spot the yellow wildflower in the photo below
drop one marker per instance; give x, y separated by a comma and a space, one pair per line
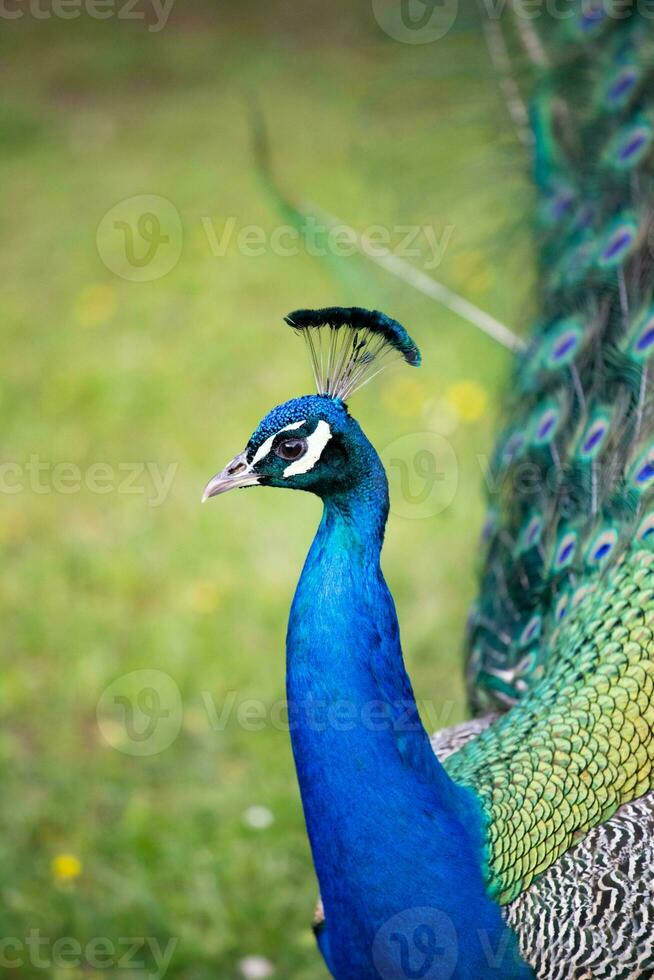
468, 399
205, 596
471, 271
66, 867
405, 396
95, 304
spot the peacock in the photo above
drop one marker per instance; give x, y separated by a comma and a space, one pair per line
518, 844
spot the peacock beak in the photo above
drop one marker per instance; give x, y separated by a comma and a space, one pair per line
238, 473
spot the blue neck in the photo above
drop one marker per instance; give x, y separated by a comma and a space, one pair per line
391, 834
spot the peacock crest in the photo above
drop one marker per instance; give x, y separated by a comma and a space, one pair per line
349, 346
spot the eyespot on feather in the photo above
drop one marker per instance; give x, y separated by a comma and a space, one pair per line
601, 547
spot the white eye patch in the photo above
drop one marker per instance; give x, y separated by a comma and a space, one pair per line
266, 446
316, 442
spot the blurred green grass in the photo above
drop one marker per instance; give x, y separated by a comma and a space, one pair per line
177, 372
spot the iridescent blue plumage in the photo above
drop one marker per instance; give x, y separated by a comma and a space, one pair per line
391, 833
389, 830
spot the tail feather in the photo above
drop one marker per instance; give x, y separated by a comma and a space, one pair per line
573, 471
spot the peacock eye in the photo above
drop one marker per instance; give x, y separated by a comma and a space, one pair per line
291, 448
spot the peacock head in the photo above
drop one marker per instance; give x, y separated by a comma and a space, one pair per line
313, 443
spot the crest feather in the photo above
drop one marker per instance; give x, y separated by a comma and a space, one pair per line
348, 346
